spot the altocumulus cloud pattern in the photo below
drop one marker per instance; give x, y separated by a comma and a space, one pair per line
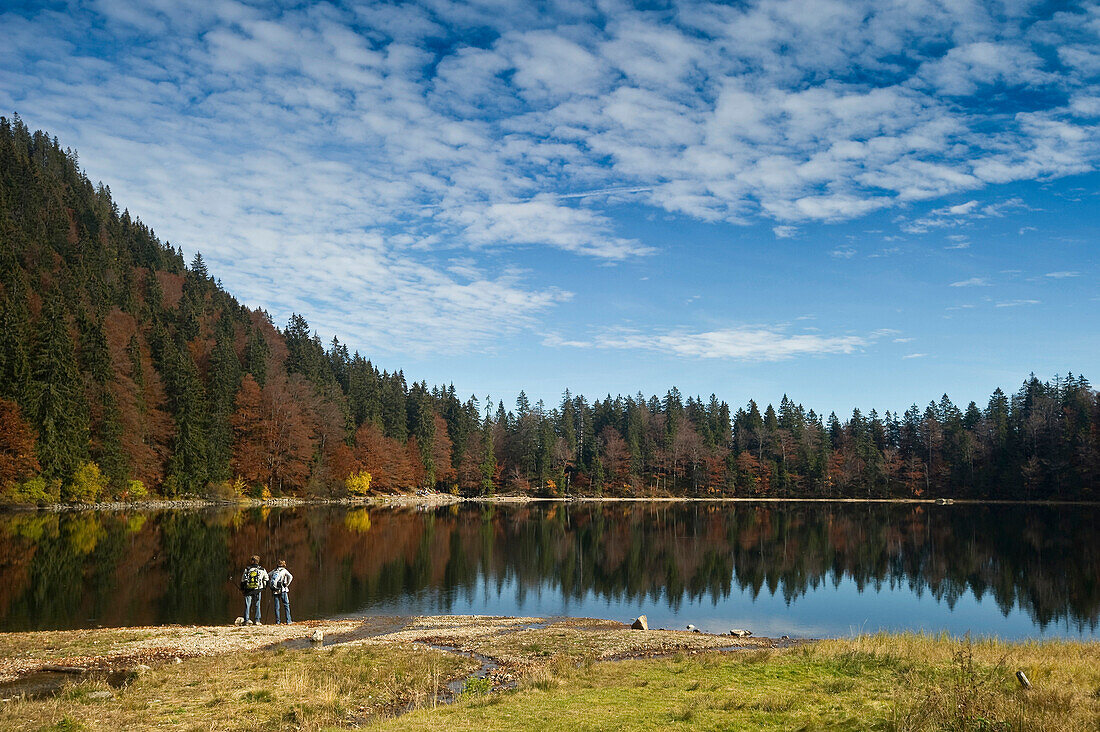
391, 150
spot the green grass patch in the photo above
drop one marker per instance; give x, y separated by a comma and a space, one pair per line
875, 683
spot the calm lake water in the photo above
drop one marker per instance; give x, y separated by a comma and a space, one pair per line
798, 569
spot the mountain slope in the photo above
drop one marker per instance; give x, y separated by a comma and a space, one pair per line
125, 371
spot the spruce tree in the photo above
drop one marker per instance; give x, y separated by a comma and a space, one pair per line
108, 451
224, 379
256, 356
58, 407
187, 467
15, 370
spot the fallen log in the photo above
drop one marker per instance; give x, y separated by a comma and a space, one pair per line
66, 669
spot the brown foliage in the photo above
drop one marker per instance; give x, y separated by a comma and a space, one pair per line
272, 433
756, 472
147, 428
469, 469
276, 345
391, 464
615, 454
441, 453
172, 287
17, 458
418, 475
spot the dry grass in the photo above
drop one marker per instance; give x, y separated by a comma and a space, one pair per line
21, 653
57, 644
302, 689
886, 682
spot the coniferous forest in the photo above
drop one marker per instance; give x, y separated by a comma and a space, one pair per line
128, 372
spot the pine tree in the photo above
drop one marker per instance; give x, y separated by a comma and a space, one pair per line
15, 371
421, 421
224, 380
95, 360
395, 418
108, 452
58, 408
255, 361
188, 467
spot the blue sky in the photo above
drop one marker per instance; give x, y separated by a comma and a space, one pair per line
854, 203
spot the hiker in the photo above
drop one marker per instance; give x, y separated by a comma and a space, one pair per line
253, 582
280, 583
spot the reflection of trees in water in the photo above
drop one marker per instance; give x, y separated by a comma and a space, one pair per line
194, 551
1040, 559
64, 570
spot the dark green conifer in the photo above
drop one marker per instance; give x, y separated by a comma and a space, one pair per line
187, 466
224, 380
57, 401
255, 360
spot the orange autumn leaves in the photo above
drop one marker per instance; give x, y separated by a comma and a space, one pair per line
282, 437
17, 457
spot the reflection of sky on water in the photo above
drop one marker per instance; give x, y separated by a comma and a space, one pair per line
831, 610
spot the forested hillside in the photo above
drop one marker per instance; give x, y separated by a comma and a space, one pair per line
126, 371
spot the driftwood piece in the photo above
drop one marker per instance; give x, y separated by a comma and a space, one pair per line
1022, 678
66, 669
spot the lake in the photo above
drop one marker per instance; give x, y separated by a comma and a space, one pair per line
796, 569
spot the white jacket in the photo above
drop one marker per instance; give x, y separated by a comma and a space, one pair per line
281, 579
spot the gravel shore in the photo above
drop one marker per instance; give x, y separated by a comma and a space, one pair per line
506, 639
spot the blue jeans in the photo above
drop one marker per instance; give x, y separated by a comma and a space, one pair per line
282, 602
252, 601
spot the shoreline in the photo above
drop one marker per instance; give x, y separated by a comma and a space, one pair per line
493, 672
107, 650
447, 499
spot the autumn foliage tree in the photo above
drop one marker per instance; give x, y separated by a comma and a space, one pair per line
17, 455
272, 446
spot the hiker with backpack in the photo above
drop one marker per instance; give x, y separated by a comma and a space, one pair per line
253, 582
280, 584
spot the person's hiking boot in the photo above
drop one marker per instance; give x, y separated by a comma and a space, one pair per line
248, 622
258, 623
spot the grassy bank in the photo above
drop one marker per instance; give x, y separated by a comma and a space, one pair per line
584, 675
880, 682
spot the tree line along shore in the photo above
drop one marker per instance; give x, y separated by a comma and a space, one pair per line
127, 373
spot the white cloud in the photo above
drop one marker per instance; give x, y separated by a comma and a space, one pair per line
843, 253
915, 355
750, 343
1016, 303
972, 282
967, 67
397, 137
544, 221
1062, 275
960, 215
